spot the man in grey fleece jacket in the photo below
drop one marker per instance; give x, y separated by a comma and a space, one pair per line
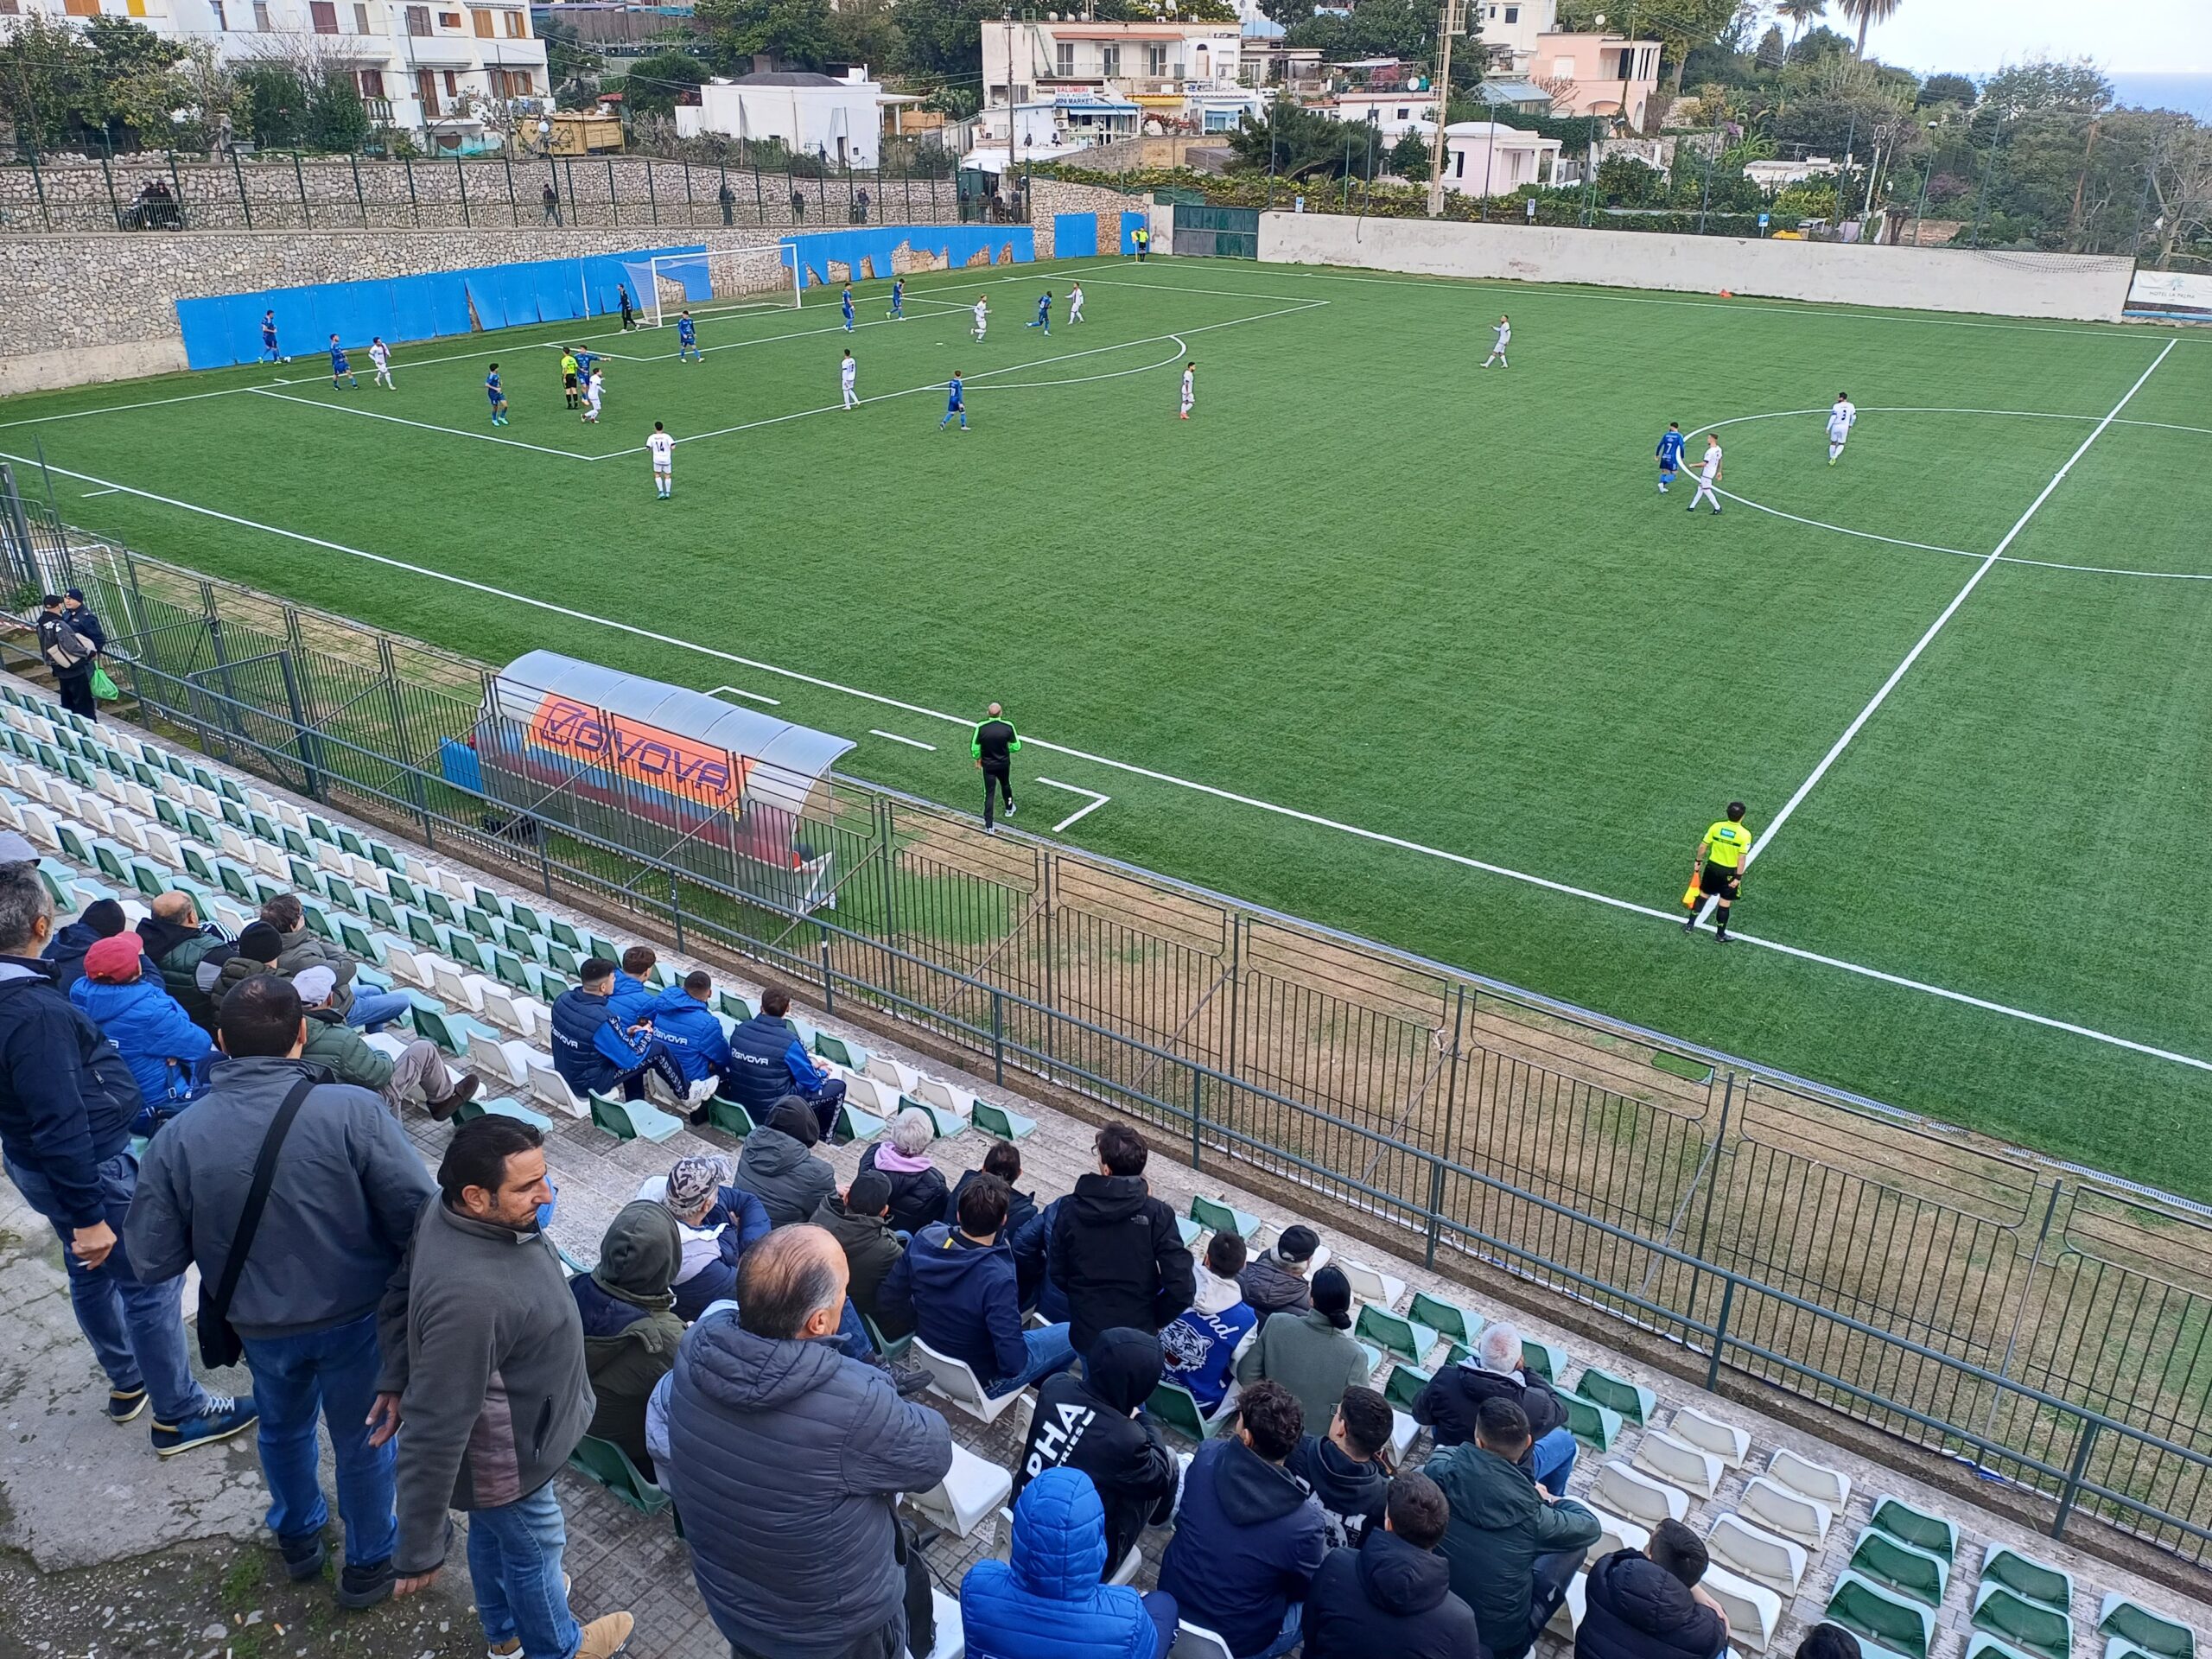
347, 1188
484, 1379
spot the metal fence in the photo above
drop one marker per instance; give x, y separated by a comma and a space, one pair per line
2051, 1329
157, 192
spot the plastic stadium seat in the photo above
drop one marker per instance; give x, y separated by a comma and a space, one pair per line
1814, 1480
1897, 1565
935, 1091
1919, 1527
996, 1121
1678, 1463
1791, 1514
1177, 1408
1393, 1334
876, 1098
1725, 1440
610, 1466
1866, 1609
1403, 1386
1631, 1399
2028, 1578
2139, 1627
1759, 1555
1985, 1646
632, 1120
1639, 1497
1214, 1215
1546, 1359
1568, 1619
1616, 1533
2019, 1622
1195, 1642
853, 1124
1448, 1320
513, 1059
727, 1001
730, 1118
952, 1379
952, 1640
497, 1106
523, 1015
888, 1347
1591, 1423
1754, 1612
549, 1088
851, 1055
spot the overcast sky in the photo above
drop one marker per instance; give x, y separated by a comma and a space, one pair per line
2170, 36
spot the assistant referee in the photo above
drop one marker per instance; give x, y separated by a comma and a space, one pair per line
1720, 858
993, 746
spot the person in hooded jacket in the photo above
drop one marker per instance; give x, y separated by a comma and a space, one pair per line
1003, 1161
258, 947
1047, 1599
957, 1285
1393, 1595
1345, 1469
1096, 1423
1275, 1281
149, 1028
64, 952
1033, 1262
1205, 1339
778, 1166
1115, 1251
1248, 1538
916, 1185
860, 1220
180, 943
717, 1223
1313, 1354
1646, 1603
1512, 1547
1495, 1370
597, 1053
683, 1020
631, 1325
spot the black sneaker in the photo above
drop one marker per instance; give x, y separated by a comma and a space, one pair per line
909, 1380
1690, 927
123, 1405
1720, 936
302, 1555
364, 1583
463, 1092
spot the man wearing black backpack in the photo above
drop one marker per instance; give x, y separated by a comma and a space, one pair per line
69, 654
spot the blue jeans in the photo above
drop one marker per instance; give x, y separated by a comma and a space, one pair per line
1050, 1353
1160, 1607
136, 1331
332, 1372
1293, 1628
373, 1010
1551, 1459
514, 1558
852, 1335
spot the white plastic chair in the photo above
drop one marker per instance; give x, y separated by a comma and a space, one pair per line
971, 1491
956, 1379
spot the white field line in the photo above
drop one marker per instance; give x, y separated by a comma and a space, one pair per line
1375, 836
750, 696
424, 426
1898, 674
1097, 800
89, 494
911, 742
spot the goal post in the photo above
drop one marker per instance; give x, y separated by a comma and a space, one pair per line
719, 279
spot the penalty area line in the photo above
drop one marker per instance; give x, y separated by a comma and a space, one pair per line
1096, 801
1296, 815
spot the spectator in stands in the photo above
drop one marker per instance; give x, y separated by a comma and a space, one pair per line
778, 1168
1032, 1260
1512, 1546
70, 655
916, 1185
1313, 1354
64, 952
956, 1284
1115, 1251
859, 1221
787, 1460
548, 202
1248, 1539
1646, 1603
79, 617
1495, 1371
66, 1104
1205, 1339
684, 1023
1003, 1161
149, 1028
768, 1062
364, 1008
347, 1191
632, 998
1275, 1281
1097, 1424
484, 1363
596, 1053
420, 1073
631, 1327
1826, 1640
179, 942
717, 1223
1394, 1596
258, 947
1047, 1599
1346, 1471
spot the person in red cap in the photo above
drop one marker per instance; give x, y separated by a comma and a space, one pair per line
134, 1011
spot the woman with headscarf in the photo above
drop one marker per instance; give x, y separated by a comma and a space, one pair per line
716, 1223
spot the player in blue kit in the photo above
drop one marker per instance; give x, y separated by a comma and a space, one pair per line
687, 339
268, 353
955, 403
899, 299
340, 367
1044, 312
1670, 454
848, 308
499, 398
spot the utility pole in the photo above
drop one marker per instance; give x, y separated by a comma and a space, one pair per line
1454, 22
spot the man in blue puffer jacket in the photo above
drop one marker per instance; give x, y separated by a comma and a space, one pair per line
594, 1053
683, 1021
1046, 1602
147, 1026
767, 1062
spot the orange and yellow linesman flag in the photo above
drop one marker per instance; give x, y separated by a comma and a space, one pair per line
1691, 893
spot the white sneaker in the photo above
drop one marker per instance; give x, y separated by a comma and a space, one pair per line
701, 1092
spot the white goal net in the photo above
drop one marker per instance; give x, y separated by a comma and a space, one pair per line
720, 279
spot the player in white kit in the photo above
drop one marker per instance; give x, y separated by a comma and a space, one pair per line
1189, 389
982, 313
1841, 419
662, 449
380, 355
1074, 304
1708, 475
848, 372
1498, 350
592, 394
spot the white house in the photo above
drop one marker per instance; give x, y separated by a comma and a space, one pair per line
1185, 71
1487, 158
1509, 27
1393, 114
457, 71
840, 122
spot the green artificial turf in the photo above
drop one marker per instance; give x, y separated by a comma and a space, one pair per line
1373, 583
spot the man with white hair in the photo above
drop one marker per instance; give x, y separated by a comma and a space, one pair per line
418, 1073
1496, 1371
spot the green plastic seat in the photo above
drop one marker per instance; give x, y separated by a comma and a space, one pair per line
197, 867
2028, 1578
477, 922
1544, 1359
1883, 1616
424, 932
609, 1464
73, 844
502, 1108
837, 1050
730, 1118
440, 907
889, 1347
1633, 1401
564, 934
199, 830
1918, 1528
1403, 1386
317, 923
146, 879
1218, 1217
303, 875
1896, 1564
1592, 1424
853, 1124
1177, 1408
1447, 1319
562, 961
295, 843
465, 952
1393, 1334
632, 1120
729, 1001
2028, 1626
2136, 1625
380, 909
605, 948
350, 842
165, 811
400, 889
489, 902
340, 892
451, 1032
109, 858
508, 967
995, 1119
522, 916
235, 815
1458, 1354
386, 860
355, 939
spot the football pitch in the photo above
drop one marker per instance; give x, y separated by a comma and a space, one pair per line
1379, 637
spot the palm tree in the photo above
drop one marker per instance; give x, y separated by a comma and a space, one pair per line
1802, 15
1868, 13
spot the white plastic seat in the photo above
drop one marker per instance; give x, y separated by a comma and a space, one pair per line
1568, 1619
1725, 1440
1639, 1497
549, 1087
1809, 1479
892, 1074
935, 1091
329, 858
1774, 1506
1764, 1557
513, 1011
1616, 1534
1370, 1284
877, 1098
406, 965
513, 1059
1754, 1612
972, 1490
1403, 1428
1195, 1642
952, 1640
954, 1380
457, 988
388, 1044
1678, 1463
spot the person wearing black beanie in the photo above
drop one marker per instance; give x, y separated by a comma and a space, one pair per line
102, 920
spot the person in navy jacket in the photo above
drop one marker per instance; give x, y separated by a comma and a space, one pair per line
768, 1061
594, 1053
958, 1286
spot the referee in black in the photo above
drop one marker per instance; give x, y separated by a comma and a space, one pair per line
993, 746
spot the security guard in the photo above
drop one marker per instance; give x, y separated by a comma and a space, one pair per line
1720, 870
993, 746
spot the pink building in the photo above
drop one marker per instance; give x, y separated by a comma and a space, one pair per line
1596, 74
